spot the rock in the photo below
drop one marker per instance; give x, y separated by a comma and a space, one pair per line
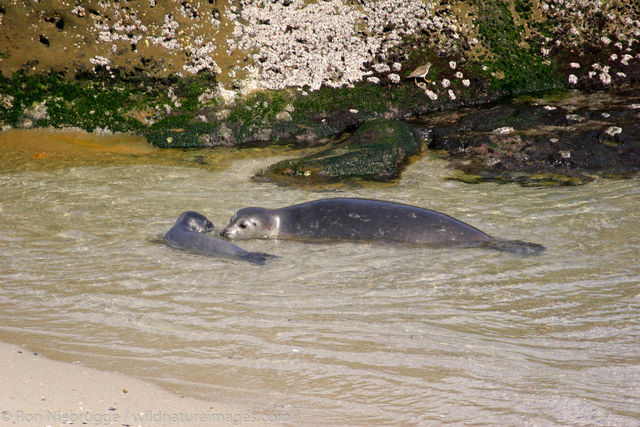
37, 111
283, 116
296, 71
545, 145
377, 151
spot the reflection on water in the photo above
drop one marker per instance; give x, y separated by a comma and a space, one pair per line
344, 333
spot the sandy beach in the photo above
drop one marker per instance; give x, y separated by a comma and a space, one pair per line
41, 392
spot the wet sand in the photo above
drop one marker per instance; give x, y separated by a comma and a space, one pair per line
37, 391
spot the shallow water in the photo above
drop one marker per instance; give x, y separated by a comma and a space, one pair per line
341, 333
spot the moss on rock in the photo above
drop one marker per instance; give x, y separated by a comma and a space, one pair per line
64, 103
377, 151
514, 63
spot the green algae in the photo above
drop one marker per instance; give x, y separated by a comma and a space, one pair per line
515, 64
377, 151
250, 119
107, 101
179, 132
366, 98
84, 104
523, 8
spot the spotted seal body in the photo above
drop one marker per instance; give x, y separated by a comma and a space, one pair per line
363, 220
188, 233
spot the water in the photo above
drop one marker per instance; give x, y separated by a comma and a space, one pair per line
341, 333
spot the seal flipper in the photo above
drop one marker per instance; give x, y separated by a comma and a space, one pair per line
519, 247
258, 258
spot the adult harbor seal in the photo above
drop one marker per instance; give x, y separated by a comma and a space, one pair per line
187, 233
364, 220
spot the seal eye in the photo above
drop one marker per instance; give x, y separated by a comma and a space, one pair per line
243, 225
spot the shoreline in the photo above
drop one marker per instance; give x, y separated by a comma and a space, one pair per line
40, 391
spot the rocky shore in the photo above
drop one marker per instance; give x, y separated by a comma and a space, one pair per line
217, 73
563, 140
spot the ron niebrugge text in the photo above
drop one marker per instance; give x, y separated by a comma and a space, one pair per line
148, 416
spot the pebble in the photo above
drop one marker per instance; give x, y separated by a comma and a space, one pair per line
613, 130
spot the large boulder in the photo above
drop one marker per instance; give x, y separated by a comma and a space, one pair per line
376, 151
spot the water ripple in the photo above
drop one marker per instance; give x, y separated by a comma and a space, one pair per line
345, 333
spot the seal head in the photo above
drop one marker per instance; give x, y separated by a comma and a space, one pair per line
189, 233
193, 221
252, 223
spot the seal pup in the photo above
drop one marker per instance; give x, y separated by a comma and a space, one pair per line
365, 220
187, 233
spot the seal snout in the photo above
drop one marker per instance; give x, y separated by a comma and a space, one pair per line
227, 233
